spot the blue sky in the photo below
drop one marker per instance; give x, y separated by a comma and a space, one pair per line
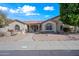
30, 11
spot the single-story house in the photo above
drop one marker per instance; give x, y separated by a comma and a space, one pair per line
50, 25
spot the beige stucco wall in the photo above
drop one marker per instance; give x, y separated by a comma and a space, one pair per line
58, 27
23, 27
53, 23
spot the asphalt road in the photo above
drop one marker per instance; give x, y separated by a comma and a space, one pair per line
39, 52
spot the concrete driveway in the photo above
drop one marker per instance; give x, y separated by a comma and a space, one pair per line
26, 42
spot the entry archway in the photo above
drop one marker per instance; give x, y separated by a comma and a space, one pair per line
17, 27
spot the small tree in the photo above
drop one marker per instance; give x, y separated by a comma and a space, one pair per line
3, 20
69, 13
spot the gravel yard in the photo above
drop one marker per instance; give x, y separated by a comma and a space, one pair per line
55, 37
12, 38
39, 37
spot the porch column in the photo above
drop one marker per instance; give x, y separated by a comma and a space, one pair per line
38, 27
29, 28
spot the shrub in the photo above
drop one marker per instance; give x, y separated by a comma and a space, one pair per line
66, 29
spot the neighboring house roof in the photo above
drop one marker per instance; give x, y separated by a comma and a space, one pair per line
54, 19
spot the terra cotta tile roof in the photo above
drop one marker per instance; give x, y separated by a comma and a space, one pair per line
33, 22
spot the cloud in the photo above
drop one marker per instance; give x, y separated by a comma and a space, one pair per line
49, 8
12, 11
3, 8
17, 10
24, 9
31, 14
27, 8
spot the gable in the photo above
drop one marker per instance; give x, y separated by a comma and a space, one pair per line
55, 19
14, 21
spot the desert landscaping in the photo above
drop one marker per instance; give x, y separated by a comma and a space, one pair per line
40, 37
32, 41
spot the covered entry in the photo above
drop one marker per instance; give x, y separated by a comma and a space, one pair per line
34, 27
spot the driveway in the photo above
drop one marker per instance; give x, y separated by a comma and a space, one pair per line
26, 42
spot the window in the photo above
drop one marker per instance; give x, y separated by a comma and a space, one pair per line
48, 26
17, 27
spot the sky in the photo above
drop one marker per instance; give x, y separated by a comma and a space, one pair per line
30, 11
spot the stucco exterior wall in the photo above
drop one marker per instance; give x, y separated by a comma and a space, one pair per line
58, 27
11, 26
53, 26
